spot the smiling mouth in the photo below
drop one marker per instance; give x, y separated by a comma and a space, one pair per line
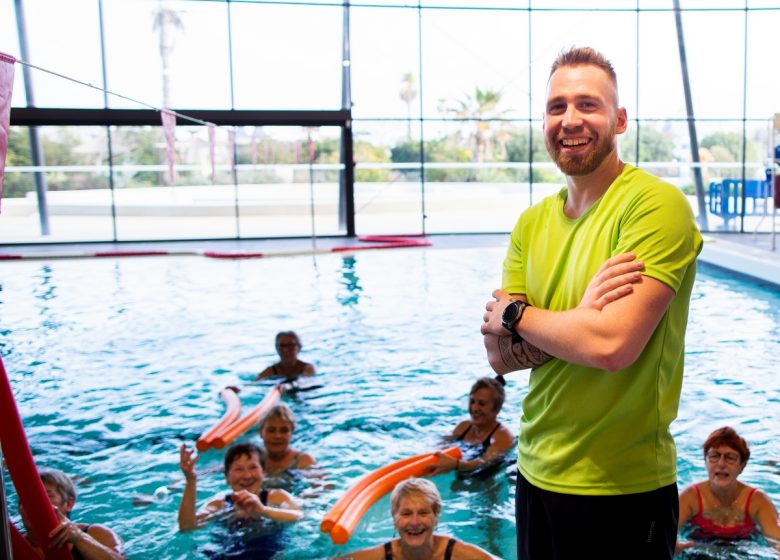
574, 142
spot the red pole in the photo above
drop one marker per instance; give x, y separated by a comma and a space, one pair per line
24, 474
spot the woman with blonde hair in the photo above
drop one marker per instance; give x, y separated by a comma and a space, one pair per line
276, 430
415, 505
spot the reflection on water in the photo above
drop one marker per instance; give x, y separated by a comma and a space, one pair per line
115, 362
350, 293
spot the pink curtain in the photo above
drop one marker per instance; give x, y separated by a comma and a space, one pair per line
6, 92
254, 150
232, 152
311, 146
169, 129
212, 143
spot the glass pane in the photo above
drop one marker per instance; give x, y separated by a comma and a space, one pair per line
172, 54
468, 53
74, 173
388, 192
196, 205
385, 63
280, 189
59, 48
763, 79
661, 93
715, 40
287, 57
555, 31
720, 146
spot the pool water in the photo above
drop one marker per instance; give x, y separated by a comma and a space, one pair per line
115, 362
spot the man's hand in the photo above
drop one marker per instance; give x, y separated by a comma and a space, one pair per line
615, 279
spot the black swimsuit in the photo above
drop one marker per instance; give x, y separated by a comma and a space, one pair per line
485, 443
447, 552
300, 367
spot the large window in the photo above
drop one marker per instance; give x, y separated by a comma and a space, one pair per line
439, 104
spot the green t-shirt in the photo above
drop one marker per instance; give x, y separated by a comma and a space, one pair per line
585, 430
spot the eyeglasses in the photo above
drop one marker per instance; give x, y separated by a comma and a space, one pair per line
730, 458
288, 345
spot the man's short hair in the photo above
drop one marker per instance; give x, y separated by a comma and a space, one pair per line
576, 56
61, 481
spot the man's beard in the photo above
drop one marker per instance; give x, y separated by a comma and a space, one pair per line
578, 165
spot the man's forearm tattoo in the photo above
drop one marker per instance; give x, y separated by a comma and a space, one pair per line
521, 355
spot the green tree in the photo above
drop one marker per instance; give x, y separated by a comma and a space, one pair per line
16, 185
365, 152
654, 145
729, 144
488, 135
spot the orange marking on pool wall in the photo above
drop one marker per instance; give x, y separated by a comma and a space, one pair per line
232, 412
234, 430
369, 494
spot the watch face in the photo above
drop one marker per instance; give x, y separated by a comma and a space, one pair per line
510, 312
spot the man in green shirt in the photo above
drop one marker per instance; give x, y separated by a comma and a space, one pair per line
597, 462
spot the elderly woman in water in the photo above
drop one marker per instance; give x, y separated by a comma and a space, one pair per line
289, 367
247, 498
722, 507
278, 456
484, 440
415, 505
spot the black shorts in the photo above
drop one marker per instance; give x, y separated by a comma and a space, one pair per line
553, 526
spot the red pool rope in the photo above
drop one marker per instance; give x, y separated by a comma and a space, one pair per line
371, 242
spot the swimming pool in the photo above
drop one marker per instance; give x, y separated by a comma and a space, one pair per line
115, 362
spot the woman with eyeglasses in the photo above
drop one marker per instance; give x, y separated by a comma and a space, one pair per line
722, 507
289, 366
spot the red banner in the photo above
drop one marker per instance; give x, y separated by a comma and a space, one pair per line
169, 129
232, 152
212, 143
6, 92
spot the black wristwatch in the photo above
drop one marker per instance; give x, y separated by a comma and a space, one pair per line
512, 315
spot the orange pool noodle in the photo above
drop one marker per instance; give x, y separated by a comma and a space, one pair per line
342, 530
232, 411
338, 508
234, 430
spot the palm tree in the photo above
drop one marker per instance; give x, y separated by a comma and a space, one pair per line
408, 94
482, 107
166, 23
